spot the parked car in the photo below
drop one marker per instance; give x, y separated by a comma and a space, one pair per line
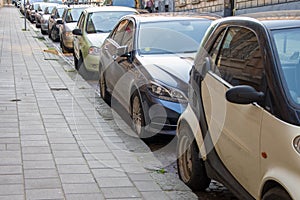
145, 64
53, 27
137, 4
45, 17
31, 11
40, 11
68, 23
242, 124
94, 25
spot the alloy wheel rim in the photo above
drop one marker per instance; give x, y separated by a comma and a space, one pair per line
137, 115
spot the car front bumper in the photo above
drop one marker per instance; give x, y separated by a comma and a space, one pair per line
161, 115
91, 63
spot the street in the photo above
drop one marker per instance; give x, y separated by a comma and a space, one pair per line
162, 146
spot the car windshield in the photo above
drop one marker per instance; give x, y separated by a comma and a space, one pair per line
73, 14
60, 11
287, 43
127, 3
165, 37
104, 22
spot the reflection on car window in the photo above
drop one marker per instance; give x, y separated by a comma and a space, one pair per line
119, 31
240, 61
180, 36
104, 22
287, 43
73, 14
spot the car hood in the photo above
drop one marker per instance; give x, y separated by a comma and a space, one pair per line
171, 69
97, 39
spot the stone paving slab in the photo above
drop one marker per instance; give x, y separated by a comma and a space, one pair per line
54, 144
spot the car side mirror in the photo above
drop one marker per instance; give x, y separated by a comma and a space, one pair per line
77, 31
59, 21
243, 94
122, 51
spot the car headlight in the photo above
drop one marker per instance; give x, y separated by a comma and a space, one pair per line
296, 144
166, 93
94, 50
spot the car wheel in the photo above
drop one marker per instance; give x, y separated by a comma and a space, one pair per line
75, 61
103, 88
191, 169
54, 33
137, 115
82, 70
63, 48
43, 32
276, 193
50, 33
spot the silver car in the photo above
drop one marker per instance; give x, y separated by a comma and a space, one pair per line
45, 18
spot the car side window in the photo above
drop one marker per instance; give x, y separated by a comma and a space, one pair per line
128, 36
118, 33
81, 21
240, 61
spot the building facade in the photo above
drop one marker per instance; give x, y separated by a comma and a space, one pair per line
235, 7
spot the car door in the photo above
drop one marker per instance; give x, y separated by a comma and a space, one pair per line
108, 54
235, 129
122, 67
77, 38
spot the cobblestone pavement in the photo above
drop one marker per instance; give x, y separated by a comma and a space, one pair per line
53, 142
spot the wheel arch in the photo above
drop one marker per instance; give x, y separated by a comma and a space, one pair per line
270, 184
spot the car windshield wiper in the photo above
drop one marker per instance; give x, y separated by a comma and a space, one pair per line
191, 51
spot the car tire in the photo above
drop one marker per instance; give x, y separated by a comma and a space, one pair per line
50, 33
137, 116
43, 32
103, 87
82, 70
54, 33
191, 169
276, 193
63, 48
75, 61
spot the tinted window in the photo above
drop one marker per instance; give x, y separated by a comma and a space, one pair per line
181, 36
104, 22
240, 61
287, 43
118, 33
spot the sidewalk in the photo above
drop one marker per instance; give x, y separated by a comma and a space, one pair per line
53, 142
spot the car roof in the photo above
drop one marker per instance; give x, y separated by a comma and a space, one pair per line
152, 17
71, 6
110, 8
277, 19
270, 19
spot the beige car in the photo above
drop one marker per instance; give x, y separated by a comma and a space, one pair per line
93, 26
242, 125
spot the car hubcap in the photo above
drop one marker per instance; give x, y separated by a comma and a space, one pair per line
137, 115
185, 159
